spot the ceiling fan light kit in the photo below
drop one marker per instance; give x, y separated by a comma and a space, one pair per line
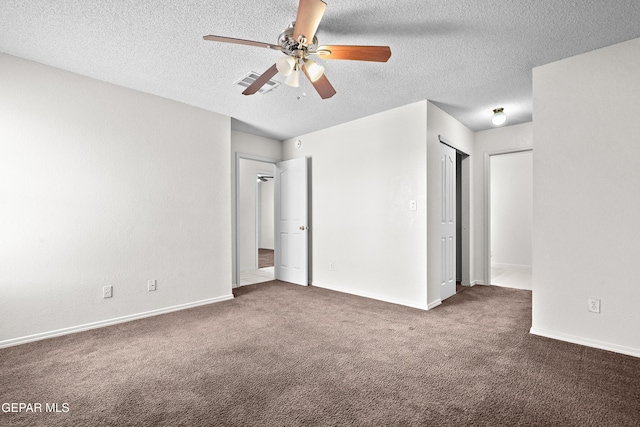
293, 79
314, 70
298, 42
285, 65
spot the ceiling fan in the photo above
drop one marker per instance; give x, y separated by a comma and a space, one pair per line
298, 42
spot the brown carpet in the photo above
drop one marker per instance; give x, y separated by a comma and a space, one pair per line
265, 258
286, 355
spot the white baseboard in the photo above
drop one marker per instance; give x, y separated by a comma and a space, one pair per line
477, 282
109, 322
502, 265
359, 293
629, 351
434, 304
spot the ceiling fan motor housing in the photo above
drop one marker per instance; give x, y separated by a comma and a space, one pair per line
290, 45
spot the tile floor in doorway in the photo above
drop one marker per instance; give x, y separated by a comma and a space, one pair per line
257, 276
511, 277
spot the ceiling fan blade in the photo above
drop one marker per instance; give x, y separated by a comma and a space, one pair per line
240, 41
322, 85
255, 86
309, 15
356, 53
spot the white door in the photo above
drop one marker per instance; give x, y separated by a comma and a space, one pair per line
448, 221
291, 227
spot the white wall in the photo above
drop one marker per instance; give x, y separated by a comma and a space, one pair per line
102, 185
511, 208
246, 144
364, 173
487, 143
460, 137
587, 198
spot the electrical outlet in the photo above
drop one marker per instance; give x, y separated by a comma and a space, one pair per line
151, 285
331, 266
594, 305
413, 205
107, 291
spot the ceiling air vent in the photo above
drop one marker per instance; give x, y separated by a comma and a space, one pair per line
248, 79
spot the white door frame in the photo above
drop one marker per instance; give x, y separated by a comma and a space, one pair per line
237, 213
487, 206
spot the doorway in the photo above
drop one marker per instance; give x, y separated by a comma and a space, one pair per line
265, 220
510, 211
463, 275
257, 208
254, 220
455, 220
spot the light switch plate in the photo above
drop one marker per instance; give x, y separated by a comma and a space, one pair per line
107, 291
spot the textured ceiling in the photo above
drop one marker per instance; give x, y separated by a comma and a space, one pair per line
466, 56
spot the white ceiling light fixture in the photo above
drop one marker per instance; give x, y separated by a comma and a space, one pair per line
293, 79
285, 65
314, 71
499, 117
288, 67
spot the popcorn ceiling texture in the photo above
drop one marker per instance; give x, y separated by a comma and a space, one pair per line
467, 57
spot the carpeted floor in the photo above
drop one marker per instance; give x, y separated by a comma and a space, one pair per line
286, 355
265, 258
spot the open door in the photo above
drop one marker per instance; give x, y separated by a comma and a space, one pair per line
448, 221
291, 226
